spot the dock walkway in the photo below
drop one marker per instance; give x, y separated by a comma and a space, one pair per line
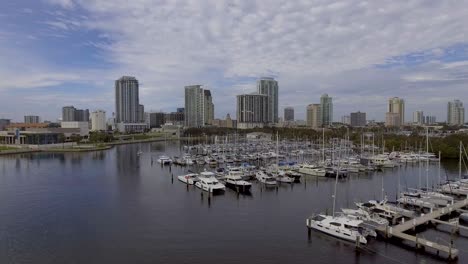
399, 230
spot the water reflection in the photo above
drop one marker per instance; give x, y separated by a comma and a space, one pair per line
143, 212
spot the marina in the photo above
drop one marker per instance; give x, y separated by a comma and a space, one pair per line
148, 197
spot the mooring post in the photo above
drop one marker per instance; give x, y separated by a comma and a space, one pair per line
417, 243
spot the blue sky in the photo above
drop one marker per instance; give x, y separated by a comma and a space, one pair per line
69, 52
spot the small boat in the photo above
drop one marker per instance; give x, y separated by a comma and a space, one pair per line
296, 176
190, 178
282, 177
266, 179
313, 170
164, 160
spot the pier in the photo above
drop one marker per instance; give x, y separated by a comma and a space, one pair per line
398, 231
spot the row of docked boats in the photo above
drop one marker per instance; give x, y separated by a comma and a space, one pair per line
238, 178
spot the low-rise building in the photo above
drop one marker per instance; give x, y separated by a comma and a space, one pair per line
37, 136
81, 125
98, 120
131, 127
393, 119
358, 119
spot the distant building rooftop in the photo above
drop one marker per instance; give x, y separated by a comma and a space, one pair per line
27, 125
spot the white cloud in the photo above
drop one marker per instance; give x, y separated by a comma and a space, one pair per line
68, 4
311, 47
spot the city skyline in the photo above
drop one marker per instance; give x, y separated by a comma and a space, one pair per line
70, 52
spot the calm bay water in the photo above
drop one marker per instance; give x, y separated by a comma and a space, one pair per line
116, 207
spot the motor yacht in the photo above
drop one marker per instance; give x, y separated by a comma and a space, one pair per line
208, 182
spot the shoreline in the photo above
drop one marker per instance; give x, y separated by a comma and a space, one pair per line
106, 146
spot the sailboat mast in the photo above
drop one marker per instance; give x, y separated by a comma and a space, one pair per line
427, 158
323, 145
460, 162
336, 183
277, 152
438, 175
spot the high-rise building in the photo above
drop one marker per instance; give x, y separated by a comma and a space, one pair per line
252, 110
314, 115
358, 119
129, 113
82, 115
326, 106
72, 114
141, 113
288, 114
209, 107
68, 113
155, 119
392, 119
346, 120
199, 107
430, 120
396, 106
127, 102
31, 119
180, 110
194, 106
269, 87
98, 120
455, 113
418, 117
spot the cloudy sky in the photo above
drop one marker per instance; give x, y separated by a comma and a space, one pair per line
69, 52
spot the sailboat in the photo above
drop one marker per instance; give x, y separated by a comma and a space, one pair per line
280, 177
340, 226
424, 197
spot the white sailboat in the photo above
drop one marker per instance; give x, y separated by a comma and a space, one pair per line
341, 226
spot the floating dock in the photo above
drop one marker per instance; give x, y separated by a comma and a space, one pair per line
398, 231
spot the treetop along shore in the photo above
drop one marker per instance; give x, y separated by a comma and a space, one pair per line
448, 144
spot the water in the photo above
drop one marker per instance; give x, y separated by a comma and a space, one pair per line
115, 207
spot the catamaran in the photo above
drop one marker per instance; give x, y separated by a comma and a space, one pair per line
208, 182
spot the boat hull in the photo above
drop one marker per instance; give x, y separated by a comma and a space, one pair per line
239, 187
341, 235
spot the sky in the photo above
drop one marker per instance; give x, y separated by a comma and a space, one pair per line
69, 52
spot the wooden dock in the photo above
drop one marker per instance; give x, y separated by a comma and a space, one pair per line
399, 230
